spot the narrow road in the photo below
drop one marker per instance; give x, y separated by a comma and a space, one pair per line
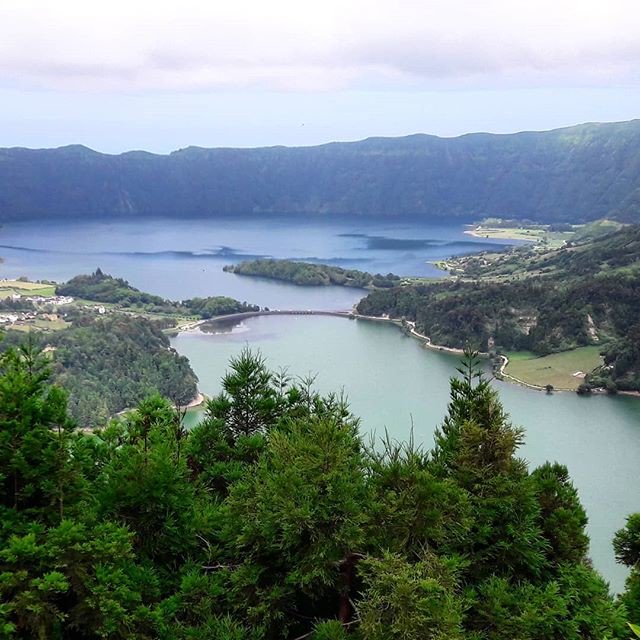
272, 312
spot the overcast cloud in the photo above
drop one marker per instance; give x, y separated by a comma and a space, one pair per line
158, 75
125, 46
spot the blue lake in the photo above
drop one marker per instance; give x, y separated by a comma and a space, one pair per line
183, 259
392, 383
389, 378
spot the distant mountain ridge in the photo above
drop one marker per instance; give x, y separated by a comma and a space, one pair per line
575, 174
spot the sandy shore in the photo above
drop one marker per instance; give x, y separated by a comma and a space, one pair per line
199, 400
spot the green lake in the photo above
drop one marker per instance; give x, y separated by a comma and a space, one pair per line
390, 379
393, 382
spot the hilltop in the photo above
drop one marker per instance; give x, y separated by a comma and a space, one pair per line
574, 174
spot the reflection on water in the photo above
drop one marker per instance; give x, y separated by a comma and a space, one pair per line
181, 259
224, 327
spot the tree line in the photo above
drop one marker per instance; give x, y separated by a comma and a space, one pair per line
551, 302
274, 519
312, 274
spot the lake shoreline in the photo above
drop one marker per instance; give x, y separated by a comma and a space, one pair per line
502, 374
198, 401
403, 326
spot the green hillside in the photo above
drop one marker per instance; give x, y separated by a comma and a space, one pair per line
587, 293
574, 174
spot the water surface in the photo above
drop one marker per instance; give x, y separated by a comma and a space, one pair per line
393, 383
180, 259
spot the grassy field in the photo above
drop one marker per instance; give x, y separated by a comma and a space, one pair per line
551, 239
41, 325
11, 287
508, 233
556, 369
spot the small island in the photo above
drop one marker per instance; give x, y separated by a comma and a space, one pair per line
313, 275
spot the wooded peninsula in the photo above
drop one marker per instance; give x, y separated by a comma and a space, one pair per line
542, 301
312, 274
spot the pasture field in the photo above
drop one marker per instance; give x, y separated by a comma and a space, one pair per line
557, 369
12, 287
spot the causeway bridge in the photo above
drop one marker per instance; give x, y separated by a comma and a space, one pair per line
283, 312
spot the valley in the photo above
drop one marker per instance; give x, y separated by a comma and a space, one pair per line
319, 321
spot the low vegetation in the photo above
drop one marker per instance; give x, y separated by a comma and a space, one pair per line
9, 288
546, 235
272, 519
565, 370
311, 274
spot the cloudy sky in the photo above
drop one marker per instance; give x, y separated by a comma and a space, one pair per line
163, 75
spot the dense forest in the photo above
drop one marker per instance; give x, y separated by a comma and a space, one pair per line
101, 287
273, 519
544, 302
110, 361
573, 174
110, 364
312, 274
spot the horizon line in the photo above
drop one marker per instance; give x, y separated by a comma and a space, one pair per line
324, 144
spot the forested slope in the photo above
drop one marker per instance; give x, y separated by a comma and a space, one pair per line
110, 356
112, 363
541, 301
272, 520
579, 173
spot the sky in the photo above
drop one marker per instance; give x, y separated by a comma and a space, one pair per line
160, 75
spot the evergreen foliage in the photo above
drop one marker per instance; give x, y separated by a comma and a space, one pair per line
271, 519
312, 274
111, 364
